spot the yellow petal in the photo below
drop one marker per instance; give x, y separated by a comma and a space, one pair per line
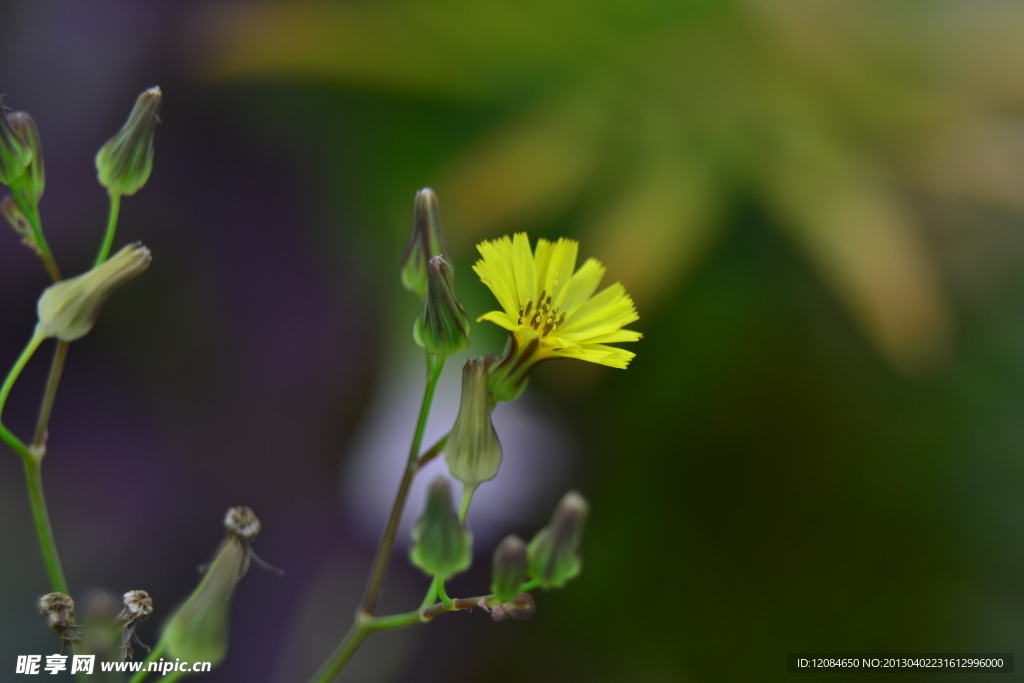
580, 287
499, 318
563, 262
523, 268
495, 271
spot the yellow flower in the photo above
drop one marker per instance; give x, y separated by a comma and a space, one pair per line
549, 310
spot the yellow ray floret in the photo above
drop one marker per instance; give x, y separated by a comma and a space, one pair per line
549, 307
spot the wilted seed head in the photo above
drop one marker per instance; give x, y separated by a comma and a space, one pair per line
554, 553
126, 160
137, 606
509, 568
427, 241
69, 309
442, 326
442, 545
60, 609
35, 176
241, 523
15, 154
473, 452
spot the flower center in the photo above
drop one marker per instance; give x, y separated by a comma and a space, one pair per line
543, 318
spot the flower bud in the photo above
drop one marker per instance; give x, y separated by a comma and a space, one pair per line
473, 452
34, 180
15, 154
554, 553
125, 161
442, 326
509, 568
60, 610
427, 241
442, 545
521, 606
68, 309
16, 217
198, 630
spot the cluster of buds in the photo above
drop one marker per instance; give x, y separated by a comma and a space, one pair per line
442, 543
442, 326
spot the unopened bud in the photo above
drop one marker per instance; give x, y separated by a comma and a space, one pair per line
442, 326
521, 606
59, 608
427, 241
15, 154
126, 160
509, 568
198, 630
15, 217
554, 553
68, 309
442, 545
34, 180
473, 452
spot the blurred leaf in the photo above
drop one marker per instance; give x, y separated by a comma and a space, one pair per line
651, 114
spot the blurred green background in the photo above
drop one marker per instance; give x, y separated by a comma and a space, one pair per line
816, 204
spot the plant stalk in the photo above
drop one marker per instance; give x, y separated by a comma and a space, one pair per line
435, 364
108, 236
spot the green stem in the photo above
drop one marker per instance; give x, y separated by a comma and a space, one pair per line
442, 594
467, 497
435, 364
432, 452
60, 354
342, 654
366, 625
31, 212
153, 656
19, 365
44, 530
108, 237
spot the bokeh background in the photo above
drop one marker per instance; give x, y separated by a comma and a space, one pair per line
817, 205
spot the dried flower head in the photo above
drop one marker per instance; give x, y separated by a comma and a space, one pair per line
241, 522
137, 607
60, 610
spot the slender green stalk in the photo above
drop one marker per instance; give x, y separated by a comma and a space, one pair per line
108, 237
19, 365
31, 212
432, 452
60, 354
467, 497
366, 625
153, 656
342, 654
44, 530
435, 364
32, 458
